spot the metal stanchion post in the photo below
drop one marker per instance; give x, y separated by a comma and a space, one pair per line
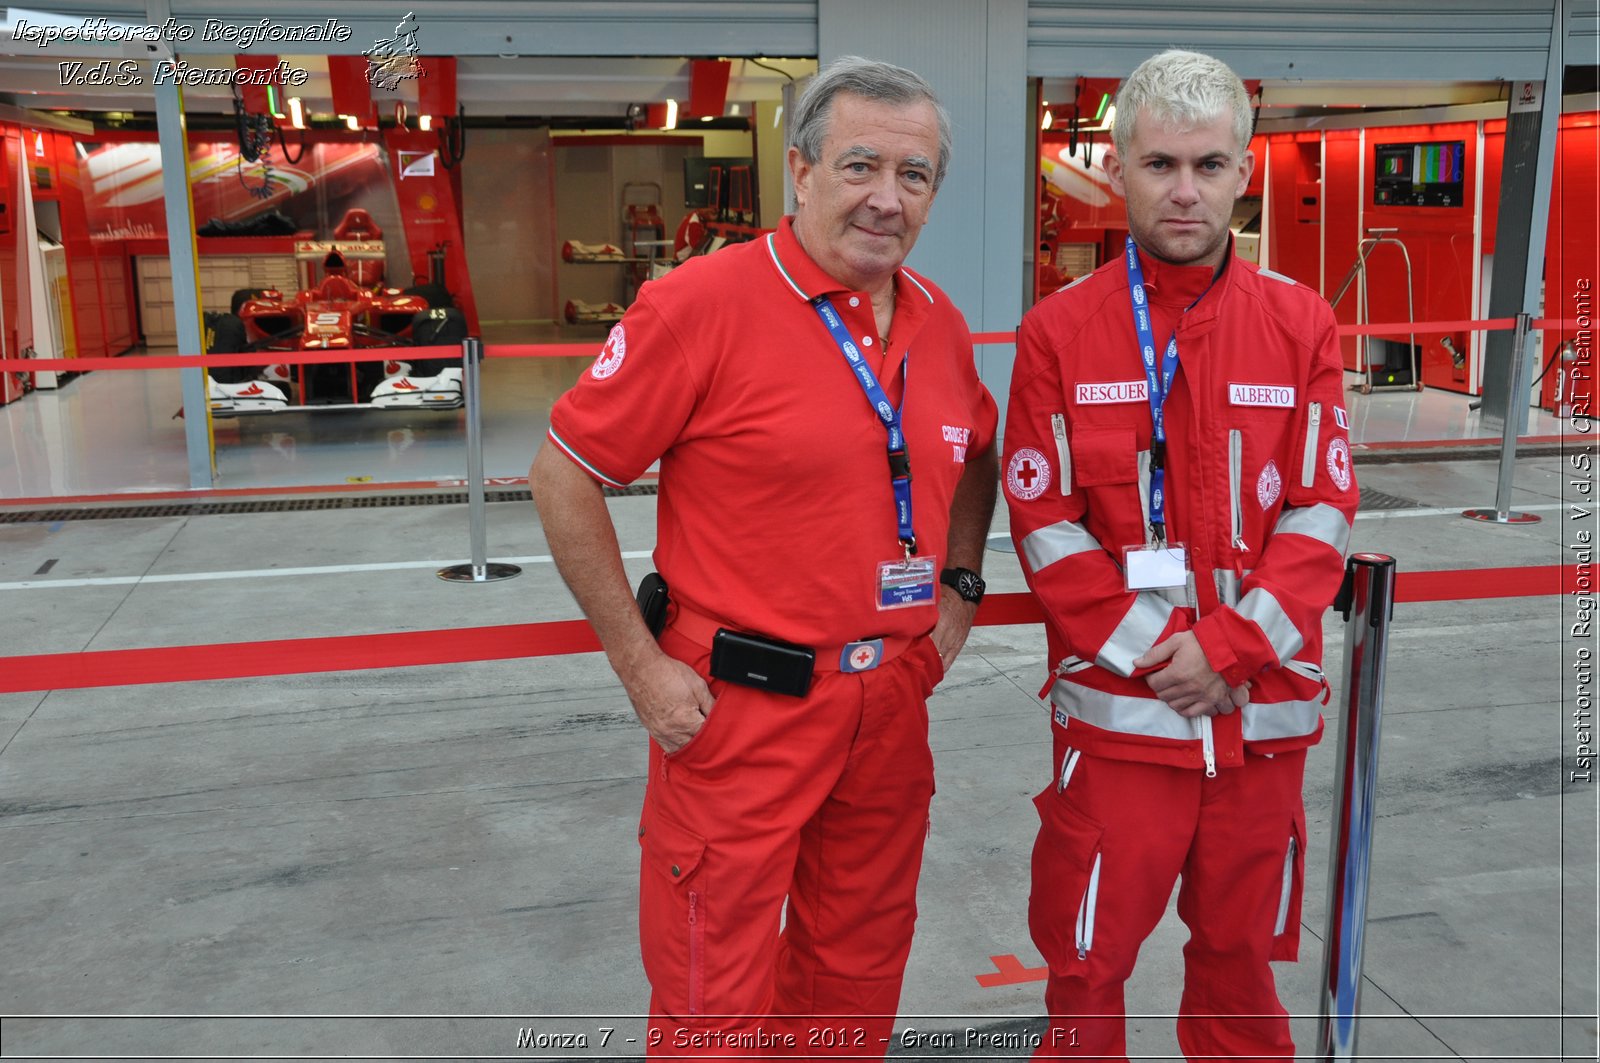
1367, 601
480, 570
1515, 396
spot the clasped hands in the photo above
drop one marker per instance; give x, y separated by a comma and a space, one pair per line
1187, 684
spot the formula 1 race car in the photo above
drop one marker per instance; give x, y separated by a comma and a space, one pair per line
338, 314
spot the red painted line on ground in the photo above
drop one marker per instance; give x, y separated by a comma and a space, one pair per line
1009, 971
348, 653
237, 660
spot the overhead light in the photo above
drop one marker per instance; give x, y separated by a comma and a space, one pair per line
425, 122
672, 114
1048, 121
705, 118
353, 122
297, 112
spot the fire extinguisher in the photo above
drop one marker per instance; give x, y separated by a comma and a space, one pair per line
1561, 401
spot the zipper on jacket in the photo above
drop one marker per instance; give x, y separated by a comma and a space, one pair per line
1288, 887
1235, 475
1308, 465
1086, 912
1208, 748
1069, 764
697, 938
1058, 425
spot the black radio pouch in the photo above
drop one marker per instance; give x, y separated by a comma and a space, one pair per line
653, 602
753, 661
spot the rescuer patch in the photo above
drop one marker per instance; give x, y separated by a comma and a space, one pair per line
1113, 392
1027, 474
1276, 395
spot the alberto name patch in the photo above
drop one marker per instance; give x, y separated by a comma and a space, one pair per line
1261, 395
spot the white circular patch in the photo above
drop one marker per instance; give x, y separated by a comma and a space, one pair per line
1027, 474
611, 354
1339, 462
863, 657
1269, 485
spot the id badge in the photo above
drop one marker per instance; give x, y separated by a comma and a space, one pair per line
907, 582
1154, 568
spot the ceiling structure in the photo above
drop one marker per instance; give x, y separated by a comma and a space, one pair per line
492, 89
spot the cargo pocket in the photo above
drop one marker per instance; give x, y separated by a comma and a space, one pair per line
672, 912
1105, 463
1286, 928
1066, 880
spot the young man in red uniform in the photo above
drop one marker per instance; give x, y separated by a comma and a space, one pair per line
788, 386
1177, 467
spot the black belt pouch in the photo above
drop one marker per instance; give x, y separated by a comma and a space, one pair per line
766, 664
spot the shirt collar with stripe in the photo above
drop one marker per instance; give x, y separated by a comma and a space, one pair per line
808, 280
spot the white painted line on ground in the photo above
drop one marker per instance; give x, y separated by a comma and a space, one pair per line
263, 573
536, 559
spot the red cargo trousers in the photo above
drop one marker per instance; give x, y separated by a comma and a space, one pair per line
1112, 842
822, 800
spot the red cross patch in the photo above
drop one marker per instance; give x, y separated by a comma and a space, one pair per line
1027, 474
1339, 463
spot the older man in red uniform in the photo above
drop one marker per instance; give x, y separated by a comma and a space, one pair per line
789, 387
1178, 473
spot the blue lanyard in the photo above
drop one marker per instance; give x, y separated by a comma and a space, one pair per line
1160, 385
899, 461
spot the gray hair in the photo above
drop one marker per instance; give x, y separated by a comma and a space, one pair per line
1185, 89
871, 80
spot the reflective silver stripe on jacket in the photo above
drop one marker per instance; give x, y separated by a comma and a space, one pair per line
1154, 718
1054, 542
1279, 719
1135, 633
1260, 607
1227, 581
1321, 522
1118, 712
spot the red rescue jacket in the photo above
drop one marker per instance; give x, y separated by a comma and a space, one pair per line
1259, 488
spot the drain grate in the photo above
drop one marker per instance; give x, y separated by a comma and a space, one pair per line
280, 505
1372, 498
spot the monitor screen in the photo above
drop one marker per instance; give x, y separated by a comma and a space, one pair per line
724, 183
1419, 175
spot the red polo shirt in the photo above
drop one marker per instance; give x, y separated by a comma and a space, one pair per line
775, 503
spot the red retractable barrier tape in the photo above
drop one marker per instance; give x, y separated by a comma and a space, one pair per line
235, 660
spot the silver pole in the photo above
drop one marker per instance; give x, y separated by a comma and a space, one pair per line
481, 570
1368, 605
1517, 397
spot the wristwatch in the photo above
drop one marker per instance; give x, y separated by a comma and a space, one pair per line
966, 582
